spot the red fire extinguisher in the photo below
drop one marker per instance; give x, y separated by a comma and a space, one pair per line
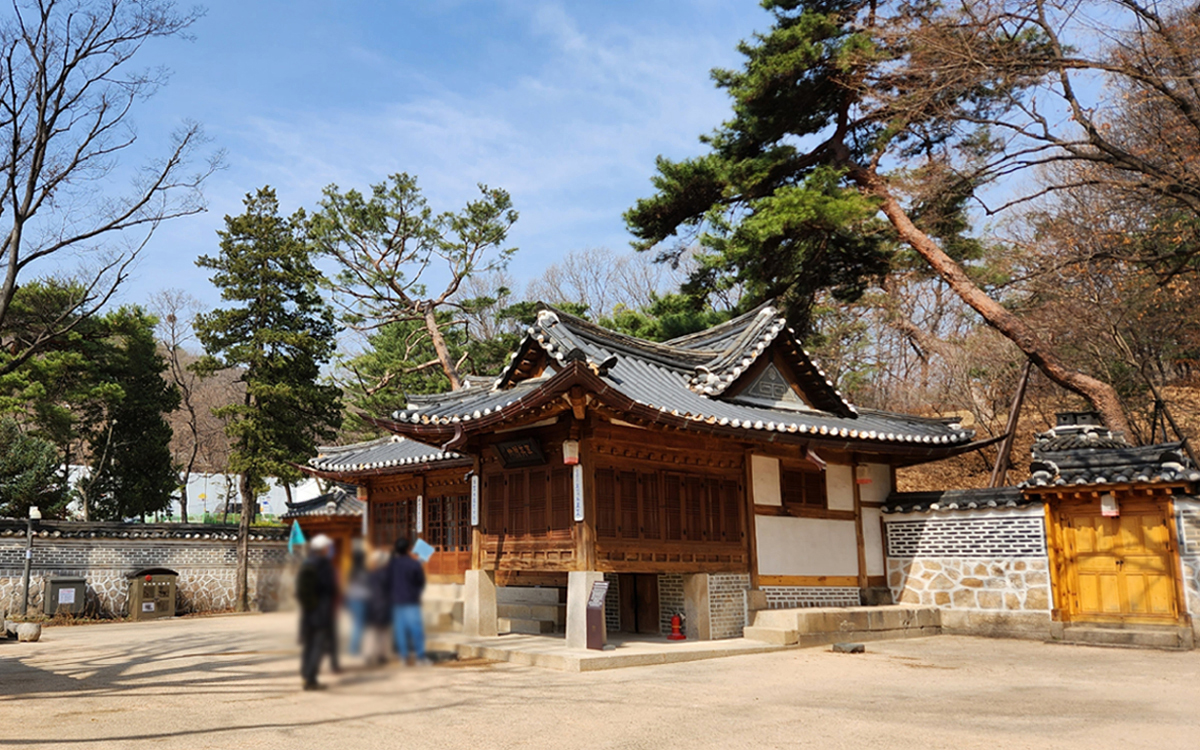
676, 635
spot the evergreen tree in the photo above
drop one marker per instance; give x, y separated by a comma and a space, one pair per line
861, 127
28, 473
61, 394
279, 332
134, 475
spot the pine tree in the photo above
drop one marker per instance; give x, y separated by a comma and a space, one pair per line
862, 132
279, 332
131, 455
28, 473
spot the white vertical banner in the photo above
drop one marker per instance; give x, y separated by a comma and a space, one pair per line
474, 499
577, 482
420, 514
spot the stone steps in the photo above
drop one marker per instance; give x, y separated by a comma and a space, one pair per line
815, 626
506, 625
1162, 638
551, 612
528, 595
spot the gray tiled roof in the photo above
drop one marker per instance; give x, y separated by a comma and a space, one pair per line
970, 499
47, 529
378, 454
684, 378
338, 502
1060, 460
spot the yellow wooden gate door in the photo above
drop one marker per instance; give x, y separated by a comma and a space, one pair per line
1119, 569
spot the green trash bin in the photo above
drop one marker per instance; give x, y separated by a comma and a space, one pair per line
152, 593
64, 595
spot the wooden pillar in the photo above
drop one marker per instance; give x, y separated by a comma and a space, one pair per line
748, 510
476, 532
858, 530
585, 530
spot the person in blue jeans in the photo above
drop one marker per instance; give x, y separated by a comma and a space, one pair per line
407, 583
358, 597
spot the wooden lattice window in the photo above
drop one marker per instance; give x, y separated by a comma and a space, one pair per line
524, 502
803, 489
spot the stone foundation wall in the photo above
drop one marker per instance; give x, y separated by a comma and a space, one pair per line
206, 568
670, 599
987, 571
727, 604
792, 597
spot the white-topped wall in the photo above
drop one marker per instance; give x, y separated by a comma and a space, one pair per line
839, 486
800, 546
806, 546
764, 471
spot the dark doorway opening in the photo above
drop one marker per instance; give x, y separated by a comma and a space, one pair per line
639, 602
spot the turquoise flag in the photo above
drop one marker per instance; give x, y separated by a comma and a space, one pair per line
296, 537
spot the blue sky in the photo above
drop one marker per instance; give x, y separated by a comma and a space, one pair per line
565, 105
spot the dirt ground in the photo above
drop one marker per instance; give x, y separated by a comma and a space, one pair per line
232, 682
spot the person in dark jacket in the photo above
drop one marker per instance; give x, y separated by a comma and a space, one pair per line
379, 608
316, 589
407, 582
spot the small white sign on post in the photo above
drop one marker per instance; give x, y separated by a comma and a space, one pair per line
474, 499
577, 477
420, 513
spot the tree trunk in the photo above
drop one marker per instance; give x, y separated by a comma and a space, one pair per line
1102, 396
241, 598
439, 346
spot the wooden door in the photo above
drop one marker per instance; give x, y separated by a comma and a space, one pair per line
638, 597
647, 603
1119, 569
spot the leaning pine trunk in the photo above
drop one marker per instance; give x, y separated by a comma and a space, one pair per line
241, 583
1102, 396
440, 347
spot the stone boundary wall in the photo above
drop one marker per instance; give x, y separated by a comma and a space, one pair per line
100, 554
986, 570
792, 597
1187, 516
726, 604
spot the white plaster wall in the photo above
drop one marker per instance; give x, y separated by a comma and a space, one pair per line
873, 541
765, 472
839, 484
879, 485
806, 547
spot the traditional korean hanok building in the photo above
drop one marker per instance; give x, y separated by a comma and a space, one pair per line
337, 514
408, 489
1100, 544
685, 473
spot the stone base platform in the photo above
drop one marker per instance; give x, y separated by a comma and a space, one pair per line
817, 626
552, 652
1162, 638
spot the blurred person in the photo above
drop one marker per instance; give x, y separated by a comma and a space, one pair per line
316, 590
379, 608
358, 598
407, 583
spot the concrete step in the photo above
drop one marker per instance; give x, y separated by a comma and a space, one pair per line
452, 591
529, 612
517, 625
443, 606
526, 595
1164, 638
812, 626
847, 619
